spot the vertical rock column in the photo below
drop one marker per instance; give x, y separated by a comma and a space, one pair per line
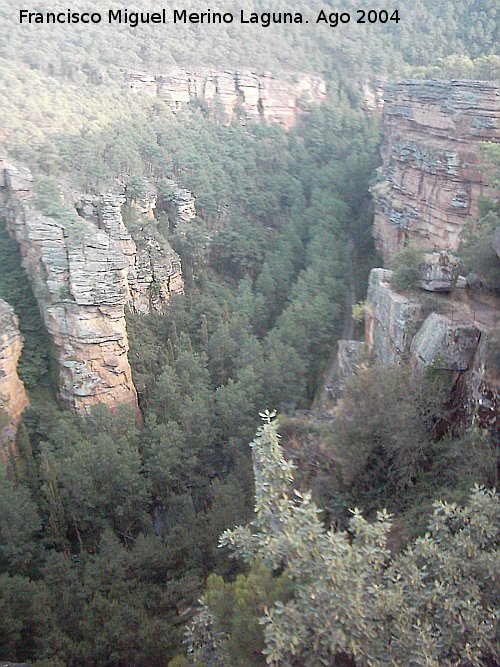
154, 270
79, 278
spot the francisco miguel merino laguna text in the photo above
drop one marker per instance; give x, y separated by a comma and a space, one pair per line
134, 19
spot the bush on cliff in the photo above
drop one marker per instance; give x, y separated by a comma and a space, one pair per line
350, 599
405, 266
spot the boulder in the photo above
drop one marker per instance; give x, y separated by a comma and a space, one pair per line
438, 272
445, 345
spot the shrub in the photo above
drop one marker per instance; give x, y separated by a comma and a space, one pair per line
405, 266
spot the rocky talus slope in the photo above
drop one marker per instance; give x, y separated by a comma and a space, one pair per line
249, 96
13, 396
432, 178
79, 277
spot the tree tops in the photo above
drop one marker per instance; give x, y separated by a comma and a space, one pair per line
432, 604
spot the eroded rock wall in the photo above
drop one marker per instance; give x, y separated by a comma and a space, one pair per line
249, 96
154, 270
432, 179
455, 333
13, 396
79, 276
392, 319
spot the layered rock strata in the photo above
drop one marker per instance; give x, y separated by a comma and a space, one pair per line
391, 319
181, 206
432, 179
13, 396
79, 276
249, 96
154, 270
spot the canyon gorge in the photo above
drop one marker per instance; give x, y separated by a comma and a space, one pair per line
430, 184
87, 269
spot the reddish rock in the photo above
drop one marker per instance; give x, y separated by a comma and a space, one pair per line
432, 178
79, 276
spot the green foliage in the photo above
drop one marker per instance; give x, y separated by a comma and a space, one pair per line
15, 288
405, 266
19, 526
476, 249
24, 617
491, 159
431, 604
387, 443
116, 523
237, 607
359, 311
91, 478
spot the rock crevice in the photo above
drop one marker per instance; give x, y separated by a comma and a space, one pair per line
13, 396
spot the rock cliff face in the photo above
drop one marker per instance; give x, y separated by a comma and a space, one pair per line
391, 319
431, 179
460, 339
250, 96
13, 396
79, 274
154, 269
181, 207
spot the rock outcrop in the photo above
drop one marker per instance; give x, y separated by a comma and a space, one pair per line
443, 344
439, 272
392, 319
154, 269
79, 276
181, 207
351, 355
13, 396
431, 179
462, 338
249, 96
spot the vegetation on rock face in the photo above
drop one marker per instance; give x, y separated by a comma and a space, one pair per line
405, 265
476, 248
34, 366
348, 596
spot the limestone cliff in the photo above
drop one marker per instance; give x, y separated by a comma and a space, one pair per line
13, 396
431, 178
249, 96
79, 276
